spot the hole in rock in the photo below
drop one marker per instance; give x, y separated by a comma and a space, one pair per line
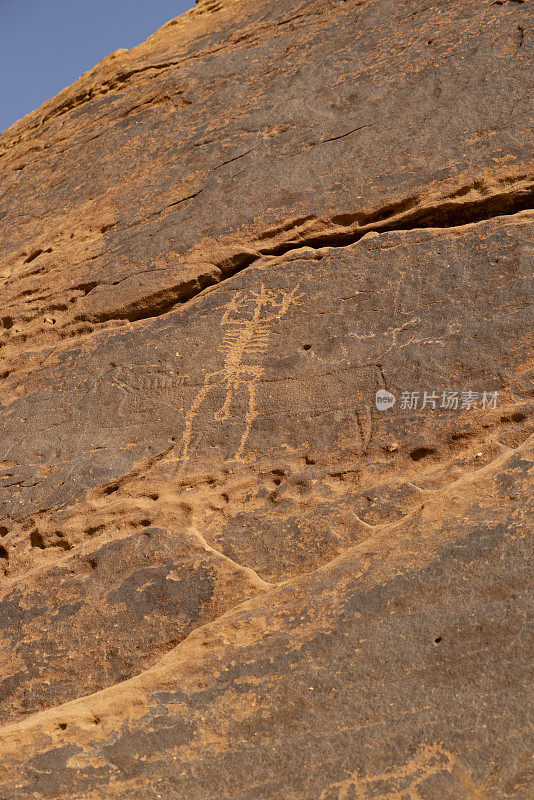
36, 540
94, 529
4, 553
3, 530
459, 435
517, 416
63, 544
421, 452
36, 253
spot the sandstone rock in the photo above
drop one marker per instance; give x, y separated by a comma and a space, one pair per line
226, 572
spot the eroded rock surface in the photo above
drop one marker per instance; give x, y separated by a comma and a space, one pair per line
225, 572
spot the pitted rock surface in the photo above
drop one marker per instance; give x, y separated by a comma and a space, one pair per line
224, 571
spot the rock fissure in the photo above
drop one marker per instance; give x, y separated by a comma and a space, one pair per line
342, 230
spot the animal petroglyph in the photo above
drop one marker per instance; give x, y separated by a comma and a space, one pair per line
407, 782
145, 378
247, 318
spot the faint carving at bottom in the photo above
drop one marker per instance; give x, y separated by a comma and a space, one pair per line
406, 782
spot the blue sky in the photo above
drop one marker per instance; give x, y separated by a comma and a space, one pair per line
46, 44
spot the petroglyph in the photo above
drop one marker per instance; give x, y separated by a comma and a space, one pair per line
247, 318
407, 782
145, 377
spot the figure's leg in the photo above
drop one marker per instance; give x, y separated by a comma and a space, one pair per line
252, 412
224, 410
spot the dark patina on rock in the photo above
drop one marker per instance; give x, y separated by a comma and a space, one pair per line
225, 572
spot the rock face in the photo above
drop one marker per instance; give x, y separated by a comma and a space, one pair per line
226, 571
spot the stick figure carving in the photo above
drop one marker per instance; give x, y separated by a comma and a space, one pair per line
247, 318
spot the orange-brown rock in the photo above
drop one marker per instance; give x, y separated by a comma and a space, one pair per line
226, 571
